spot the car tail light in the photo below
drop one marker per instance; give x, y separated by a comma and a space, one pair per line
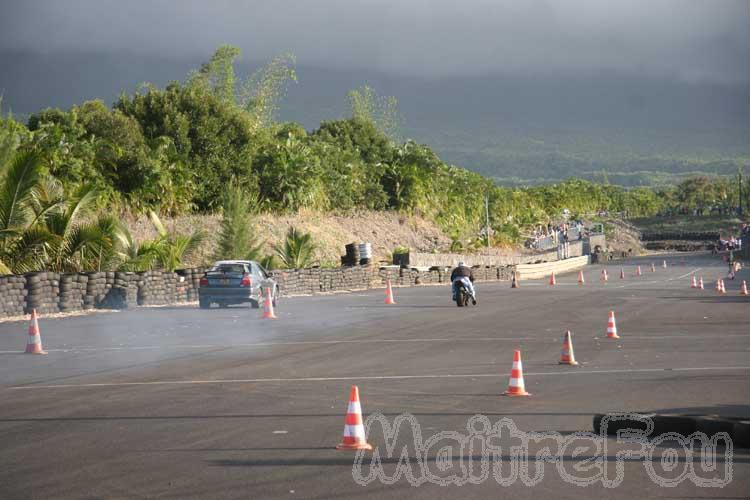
246, 280
204, 281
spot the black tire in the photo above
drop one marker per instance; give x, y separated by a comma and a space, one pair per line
204, 304
254, 304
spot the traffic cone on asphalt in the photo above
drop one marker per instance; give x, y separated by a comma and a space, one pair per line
723, 289
743, 288
354, 430
693, 283
612, 326
718, 285
664, 264
513, 280
389, 293
653, 268
516, 386
638, 271
268, 306
566, 355
34, 342
622, 273
581, 281
552, 279
604, 275
700, 283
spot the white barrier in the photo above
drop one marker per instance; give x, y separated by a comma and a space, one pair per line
544, 269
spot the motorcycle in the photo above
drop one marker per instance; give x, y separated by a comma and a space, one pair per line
462, 297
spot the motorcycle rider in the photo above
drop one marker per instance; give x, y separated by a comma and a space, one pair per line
462, 273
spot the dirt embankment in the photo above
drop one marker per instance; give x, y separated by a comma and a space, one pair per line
385, 230
623, 237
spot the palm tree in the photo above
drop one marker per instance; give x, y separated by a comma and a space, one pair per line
135, 256
236, 238
20, 249
173, 248
297, 251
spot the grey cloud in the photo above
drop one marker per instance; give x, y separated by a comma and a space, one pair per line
702, 41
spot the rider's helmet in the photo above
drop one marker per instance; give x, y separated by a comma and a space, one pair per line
461, 264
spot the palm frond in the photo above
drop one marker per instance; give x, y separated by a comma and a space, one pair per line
18, 182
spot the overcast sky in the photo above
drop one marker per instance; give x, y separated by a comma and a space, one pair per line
704, 41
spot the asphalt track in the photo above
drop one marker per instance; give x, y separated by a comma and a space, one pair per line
184, 403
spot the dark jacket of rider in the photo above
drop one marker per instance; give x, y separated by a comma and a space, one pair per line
462, 271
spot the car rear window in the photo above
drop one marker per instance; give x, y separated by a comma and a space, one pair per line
228, 268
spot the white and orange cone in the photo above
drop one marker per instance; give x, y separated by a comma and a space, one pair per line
34, 342
552, 280
718, 285
604, 275
743, 288
567, 357
612, 326
514, 281
700, 283
516, 385
693, 283
622, 273
389, 293
723, 289
354, 429
638, 271
664, 264
581, 281
268, 306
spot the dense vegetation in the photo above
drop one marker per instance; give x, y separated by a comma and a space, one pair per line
211, 143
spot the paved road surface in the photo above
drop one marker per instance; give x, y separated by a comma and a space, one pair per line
184, 403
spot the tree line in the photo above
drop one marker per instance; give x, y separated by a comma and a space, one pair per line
202, 145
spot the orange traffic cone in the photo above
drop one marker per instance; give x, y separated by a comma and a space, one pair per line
723, 289
664, 264
693, 283
653, 268
354, 430
622, 273
743, 288
552, 279
638, 271
515, 386
34, 342
268, 306
612, 326
718, 285
566, 355
389, 294
581, 281
513, 280
700, 283
604, 275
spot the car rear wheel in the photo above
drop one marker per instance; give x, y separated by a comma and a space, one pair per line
204, 303
254, 304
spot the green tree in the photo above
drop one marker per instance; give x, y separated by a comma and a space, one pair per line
366, 105
217, 75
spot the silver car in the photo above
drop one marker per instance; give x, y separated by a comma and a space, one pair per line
236, 282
